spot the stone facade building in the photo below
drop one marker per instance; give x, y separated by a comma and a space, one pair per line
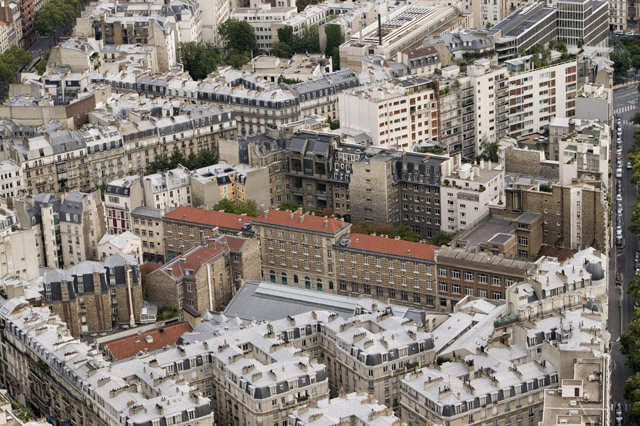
147, 223
298, 249
187, 227
386, 269
95, 296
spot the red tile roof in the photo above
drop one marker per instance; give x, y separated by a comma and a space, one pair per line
302, 221
129, 346
392, 246
234, 243
192, 260
208, 217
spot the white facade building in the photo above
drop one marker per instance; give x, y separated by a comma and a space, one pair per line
125, 243
167, 189
11, 182
467, 193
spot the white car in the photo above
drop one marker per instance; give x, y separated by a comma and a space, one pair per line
619, 173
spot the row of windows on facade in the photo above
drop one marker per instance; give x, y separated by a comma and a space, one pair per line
469, 276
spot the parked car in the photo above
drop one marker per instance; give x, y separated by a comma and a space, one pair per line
618, 241
629, 165
619, 173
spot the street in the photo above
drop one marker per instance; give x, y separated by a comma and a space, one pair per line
622, 259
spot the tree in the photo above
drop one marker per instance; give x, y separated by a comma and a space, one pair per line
199, 59
285, 80
488, 151
635, 63
238, 36
406, 233
442, 238
630, 342
249, 207
621, 61
281, 50
41, 67
302, 4
291, 206
361, 228
636, 118
334, 38
285, 35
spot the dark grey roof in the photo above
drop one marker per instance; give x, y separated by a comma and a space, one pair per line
528, 217
500, 238
596, 271
148, 212
72, 206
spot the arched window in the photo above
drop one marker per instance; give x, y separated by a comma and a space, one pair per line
307, 283
284, 278
319, 285
272, 276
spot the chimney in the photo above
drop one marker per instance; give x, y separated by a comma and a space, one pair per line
301, 218
379, 30
325, 224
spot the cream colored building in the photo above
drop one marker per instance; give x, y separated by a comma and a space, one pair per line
125, 243
147, 223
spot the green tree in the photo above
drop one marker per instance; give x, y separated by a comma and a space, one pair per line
630, 342
281, 50
334, 38
361, 228
632, 388
199, 59
41, 67
292, 206
249, 207
488, 151
285, 35
636, 118
442, 238
621, 61
239, 36
635, 63
308, 41
406, 233
176, 159
285, 80
302, 4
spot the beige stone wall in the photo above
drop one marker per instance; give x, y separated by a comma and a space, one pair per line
162, 290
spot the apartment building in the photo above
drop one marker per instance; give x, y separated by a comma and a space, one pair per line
206, 277
121, 197
474, 388
362, 409
51, 162
68, 229
583, 147
298, 249
82, 225
237, 183
105, 154
61, 377
125, 243
200, 278
467, 193
397, 115
483, 274
187, 227
585, 396
12, 183
95, 296
20, 249
389, 269
309, 165
168, 189
148, 225
455, 110
537, 95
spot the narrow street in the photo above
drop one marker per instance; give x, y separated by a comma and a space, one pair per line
622, 259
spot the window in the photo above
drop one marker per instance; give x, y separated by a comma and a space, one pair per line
307, 283
482, 293
482, 278
523, 241
455, 289
496, 281
468, 276
495, 295
468, 291
442, 287
442, 272
378, 276
455, 274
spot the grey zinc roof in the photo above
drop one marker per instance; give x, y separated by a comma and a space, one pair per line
528, 217
148, 212
72, 205
501, 238
260, 301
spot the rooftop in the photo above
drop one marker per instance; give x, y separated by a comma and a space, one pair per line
130, 346
209, 218
301, 221
391, 246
